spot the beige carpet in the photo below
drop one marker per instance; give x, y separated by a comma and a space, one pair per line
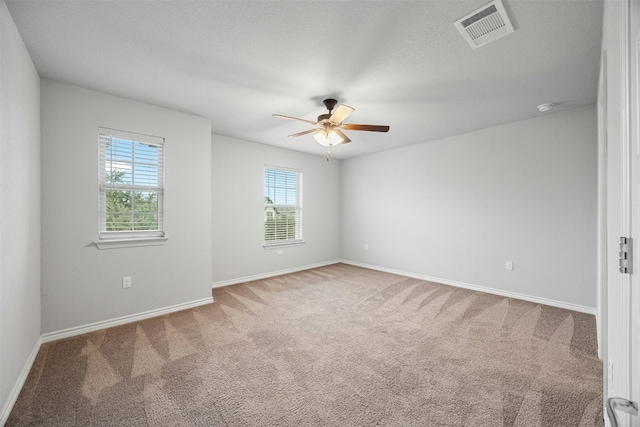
332, 346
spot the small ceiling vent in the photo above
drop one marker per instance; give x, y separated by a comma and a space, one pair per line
485, 25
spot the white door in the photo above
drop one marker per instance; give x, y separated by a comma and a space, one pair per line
623, 220
634, 126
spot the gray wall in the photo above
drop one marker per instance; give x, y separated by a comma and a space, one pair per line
19, 207
81, 284
238, 209
459, 208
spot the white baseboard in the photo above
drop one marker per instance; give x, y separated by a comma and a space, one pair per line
508, 294
15, 392
79, 330
245, 279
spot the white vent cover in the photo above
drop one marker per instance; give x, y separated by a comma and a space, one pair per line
485, 25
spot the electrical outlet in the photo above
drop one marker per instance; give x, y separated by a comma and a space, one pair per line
280, 252
366, 247
509, 265
126, 282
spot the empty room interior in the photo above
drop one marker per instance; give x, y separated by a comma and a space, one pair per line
344, 213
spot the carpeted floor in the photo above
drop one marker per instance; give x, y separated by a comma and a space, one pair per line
332, 346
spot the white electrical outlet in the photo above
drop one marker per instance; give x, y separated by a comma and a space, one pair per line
366, 247
126, 282
509, 265
280, 252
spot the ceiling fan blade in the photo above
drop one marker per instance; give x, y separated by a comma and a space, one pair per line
304, 132
371, 128
295, 118
344, 137
341, 113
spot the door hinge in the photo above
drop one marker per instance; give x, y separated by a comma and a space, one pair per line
621, 404
626, 253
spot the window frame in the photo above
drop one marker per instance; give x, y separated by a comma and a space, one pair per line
298, 206
111, 239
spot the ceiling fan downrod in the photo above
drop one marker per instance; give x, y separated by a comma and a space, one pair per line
330, 103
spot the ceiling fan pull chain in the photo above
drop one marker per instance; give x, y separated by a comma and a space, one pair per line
328, 154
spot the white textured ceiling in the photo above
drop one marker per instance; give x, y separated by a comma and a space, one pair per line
399, 63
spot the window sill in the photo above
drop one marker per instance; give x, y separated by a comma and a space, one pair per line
280, 245
130, 243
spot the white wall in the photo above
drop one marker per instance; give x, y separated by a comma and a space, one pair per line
459, 208
238, 209
19, 209
81, 284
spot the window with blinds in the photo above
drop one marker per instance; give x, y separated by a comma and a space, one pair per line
282, 206
131, 185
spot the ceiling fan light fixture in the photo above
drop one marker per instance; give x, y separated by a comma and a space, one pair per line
328, 138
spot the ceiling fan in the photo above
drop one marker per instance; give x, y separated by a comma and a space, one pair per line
329, 126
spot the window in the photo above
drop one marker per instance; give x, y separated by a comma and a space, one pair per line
282, 206
130, 175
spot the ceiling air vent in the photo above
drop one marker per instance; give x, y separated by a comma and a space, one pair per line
485, 25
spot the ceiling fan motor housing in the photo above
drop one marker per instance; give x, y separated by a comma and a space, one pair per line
322, 117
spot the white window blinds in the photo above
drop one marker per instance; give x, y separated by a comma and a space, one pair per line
282, 206
131, 185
